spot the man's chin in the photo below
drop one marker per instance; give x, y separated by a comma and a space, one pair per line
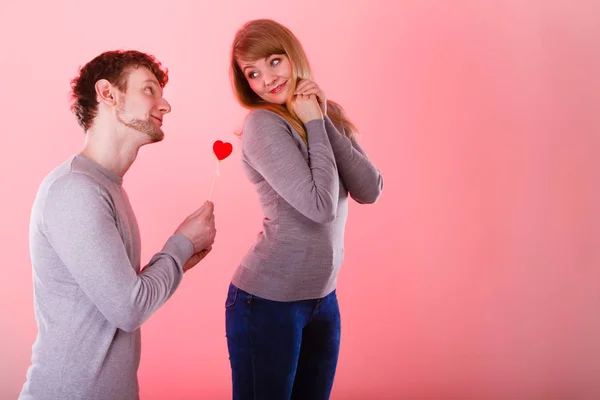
156, 137
153, 136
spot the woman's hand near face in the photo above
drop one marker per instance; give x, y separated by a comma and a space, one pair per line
308, 87
307, 107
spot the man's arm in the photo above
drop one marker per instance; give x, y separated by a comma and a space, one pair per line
79, 221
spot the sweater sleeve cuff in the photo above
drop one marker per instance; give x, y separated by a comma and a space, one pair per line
332, 131
313, 127
180, 248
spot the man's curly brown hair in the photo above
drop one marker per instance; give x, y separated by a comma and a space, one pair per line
113, 66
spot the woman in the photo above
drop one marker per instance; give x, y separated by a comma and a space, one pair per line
298, 148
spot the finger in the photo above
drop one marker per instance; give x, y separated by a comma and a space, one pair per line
197, 212
203, 254
310, 85
208, 208
311, 90
303, 86
299, 88
317, 93
307, 88
307, 83
205, 251
302, 82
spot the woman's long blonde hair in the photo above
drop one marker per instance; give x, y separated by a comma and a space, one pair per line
260, 39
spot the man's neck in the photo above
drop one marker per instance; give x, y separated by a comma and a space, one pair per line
112, 152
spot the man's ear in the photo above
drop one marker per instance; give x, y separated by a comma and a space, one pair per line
106, 92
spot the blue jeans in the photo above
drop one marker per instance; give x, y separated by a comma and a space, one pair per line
282, 350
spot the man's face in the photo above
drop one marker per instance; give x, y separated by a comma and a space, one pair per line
141, 107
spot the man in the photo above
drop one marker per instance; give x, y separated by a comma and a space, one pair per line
90, 294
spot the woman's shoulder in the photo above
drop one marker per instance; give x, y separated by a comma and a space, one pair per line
262, 114
262, 120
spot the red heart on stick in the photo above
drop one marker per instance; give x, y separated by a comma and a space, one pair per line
222, 150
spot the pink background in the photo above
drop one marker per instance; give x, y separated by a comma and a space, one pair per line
476, 275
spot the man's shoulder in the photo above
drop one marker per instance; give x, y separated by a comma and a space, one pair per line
66, 189
66, 183
68, 175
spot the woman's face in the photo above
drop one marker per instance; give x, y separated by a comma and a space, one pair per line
269, 77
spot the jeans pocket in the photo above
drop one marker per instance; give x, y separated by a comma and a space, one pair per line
232, 295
